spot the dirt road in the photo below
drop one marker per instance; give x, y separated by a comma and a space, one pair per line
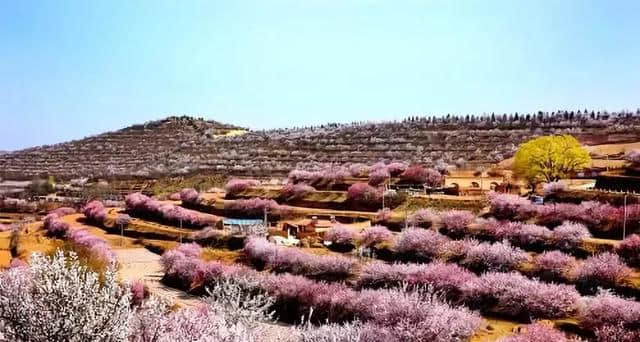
140, 263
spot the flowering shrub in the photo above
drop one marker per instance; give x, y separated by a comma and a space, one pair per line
608, 309
515, 295
58, 299
358, 170
499, 256
190, 250
554, 265
94, 211
507, 206
530, 235
595, 215
364, 193
419, 175
183, 266
537, 332
254, 207
296, 191
323, 178
375, 235
555, 214
139, 292
123, 220
456, 221
175, 196
422, 218
617, 333
346, 332
189, 195
396, 168
294, 260
54, 226
569, 235
494, 230
236, 185
456, 250
63, 211
341, 235
601, 270
421, 243
378, 176
553, 188
600, 217
379, 274
95, 246
445, 278
140, 204
629, 250
210, 235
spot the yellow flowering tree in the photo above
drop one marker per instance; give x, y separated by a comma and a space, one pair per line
550, 158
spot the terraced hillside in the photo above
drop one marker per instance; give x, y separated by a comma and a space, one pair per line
179, 145
157, 147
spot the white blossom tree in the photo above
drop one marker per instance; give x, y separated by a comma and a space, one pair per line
58, 299
232, 312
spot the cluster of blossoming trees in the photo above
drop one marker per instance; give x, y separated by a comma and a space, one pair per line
600, 218
398, 315
95, 247
144, 206
58, 299
494, 292
378, 173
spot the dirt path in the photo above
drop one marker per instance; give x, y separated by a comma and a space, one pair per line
141, 264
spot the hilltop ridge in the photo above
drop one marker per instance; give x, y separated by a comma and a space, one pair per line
181, 145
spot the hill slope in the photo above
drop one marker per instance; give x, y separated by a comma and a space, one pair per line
183, 145
154, 147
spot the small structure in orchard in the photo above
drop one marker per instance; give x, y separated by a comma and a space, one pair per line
624, 180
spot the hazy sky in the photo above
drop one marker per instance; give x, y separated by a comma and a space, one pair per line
69, 69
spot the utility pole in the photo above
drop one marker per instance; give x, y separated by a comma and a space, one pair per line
406, 218
624, 221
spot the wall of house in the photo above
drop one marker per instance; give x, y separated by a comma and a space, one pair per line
480, 183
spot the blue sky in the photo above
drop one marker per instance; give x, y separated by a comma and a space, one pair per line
70, 69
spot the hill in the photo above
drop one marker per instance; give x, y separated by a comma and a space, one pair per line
154, 147
181, 145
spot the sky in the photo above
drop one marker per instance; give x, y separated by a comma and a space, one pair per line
70, 69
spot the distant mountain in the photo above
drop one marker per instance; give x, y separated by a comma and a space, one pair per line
181, 145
